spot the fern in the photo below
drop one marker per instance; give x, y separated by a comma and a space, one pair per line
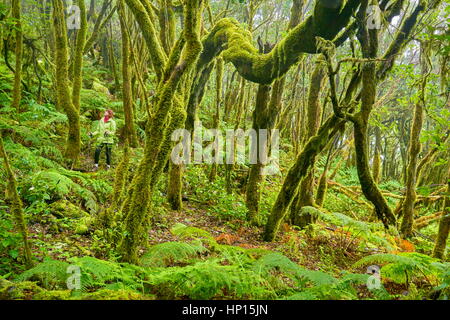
50, 274
96, 273
51, 184
371, 232
278, 262
185, 232
209, 279
401, 267
170, 253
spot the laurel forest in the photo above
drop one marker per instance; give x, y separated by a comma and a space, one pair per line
225, 149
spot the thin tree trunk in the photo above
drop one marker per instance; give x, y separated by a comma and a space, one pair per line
444, 225
369, 44
313, 115
16, 206
413, 155
17, 93
216, 120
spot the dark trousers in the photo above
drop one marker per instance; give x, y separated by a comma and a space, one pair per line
108, 147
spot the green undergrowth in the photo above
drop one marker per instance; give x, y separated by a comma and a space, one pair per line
197, 267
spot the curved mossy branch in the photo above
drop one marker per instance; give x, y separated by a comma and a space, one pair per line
228, 36
328, 18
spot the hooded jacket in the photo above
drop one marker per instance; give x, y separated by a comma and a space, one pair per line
105, 131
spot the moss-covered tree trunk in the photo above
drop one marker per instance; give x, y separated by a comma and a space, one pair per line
157, 146
305, 195
16, 206
130, 132
216, 119
167, 24
296, 173
413, 155
369, 46
17, 92
255, 177
323, 183
63, 95
174, 186
444, 225
377, 156
264, 117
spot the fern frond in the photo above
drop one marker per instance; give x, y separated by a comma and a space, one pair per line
168, 253
186, 232
278, 262
50, 274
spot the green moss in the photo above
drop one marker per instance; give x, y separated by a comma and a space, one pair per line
18, 290
66, 209
130, 132
53, 295
98, 87
121, 294
83, 225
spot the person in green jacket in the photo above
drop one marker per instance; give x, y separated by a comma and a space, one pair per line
104, 134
